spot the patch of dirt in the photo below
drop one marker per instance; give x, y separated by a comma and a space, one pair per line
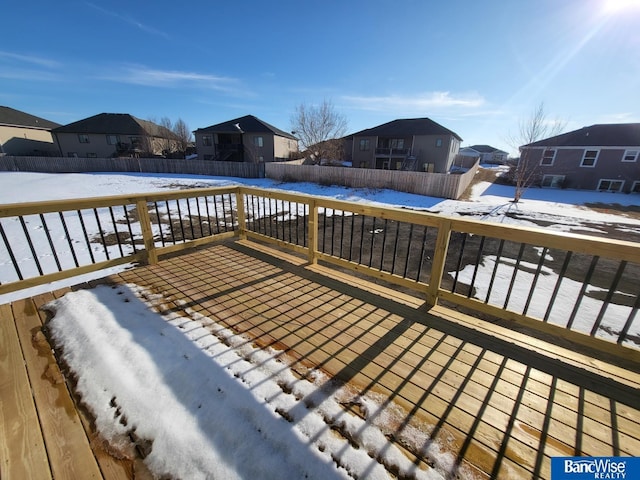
629, 211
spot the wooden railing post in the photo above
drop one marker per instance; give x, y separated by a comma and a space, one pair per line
240, 213
439, 259
147, 232
312, 226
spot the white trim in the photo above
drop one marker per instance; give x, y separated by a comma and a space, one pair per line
585, 147
595, 159
553, 183
635, 188
553, 157
628, 152
611, 180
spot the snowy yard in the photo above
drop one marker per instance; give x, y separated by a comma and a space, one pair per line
181, 382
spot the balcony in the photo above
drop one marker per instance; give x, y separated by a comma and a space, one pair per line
474, 331
392, 152
232, 152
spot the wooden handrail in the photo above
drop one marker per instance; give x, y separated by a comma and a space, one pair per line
617, 250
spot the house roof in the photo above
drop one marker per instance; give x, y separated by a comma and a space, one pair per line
15, 118
602, 135
246, 124
116, 123
408, 126
483, 149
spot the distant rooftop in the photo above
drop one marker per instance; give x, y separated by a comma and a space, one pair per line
116, 123
408, 126
484, 149
601, 135
15, 118
246, 124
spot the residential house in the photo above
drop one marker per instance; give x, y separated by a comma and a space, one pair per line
415, 144
25, 134
603, 157
115, 135
486, 154
244, 139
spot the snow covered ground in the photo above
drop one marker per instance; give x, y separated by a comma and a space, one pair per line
209, 403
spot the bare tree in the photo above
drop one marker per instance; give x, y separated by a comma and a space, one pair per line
167, 144
320, 130
536, 127
181, 130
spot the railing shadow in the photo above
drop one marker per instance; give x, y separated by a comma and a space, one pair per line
498, 407
528, 363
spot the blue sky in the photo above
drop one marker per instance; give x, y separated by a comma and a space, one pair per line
476, 67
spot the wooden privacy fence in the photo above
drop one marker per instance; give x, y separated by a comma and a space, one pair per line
570, 286
131, 165
443, 185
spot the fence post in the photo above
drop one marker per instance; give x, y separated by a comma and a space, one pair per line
147, 232
439, 259
240, 214
312, 225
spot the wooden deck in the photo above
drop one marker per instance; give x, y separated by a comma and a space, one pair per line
502, 403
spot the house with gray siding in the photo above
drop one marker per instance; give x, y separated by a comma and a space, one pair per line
244, 139
486, 154
603, 157
414, 144
115, 135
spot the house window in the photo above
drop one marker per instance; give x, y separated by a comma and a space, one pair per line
606, 185
83, 138
553, 181
548, 156
113, 139
364, 144
397, 143
438, 142
207, 140
258, 141
636, 187
260, 159
589, 158
630, 156
92, 155
364, 164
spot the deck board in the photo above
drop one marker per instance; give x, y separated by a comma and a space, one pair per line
111, 468
65, 437
499, 402
22, 449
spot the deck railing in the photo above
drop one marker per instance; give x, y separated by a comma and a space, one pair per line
583, 288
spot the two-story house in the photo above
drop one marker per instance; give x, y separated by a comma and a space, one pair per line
603, 157
486, 154
114, 135
244, 139
25, 134
415, 144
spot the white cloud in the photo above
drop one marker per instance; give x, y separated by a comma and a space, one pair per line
30, 59
621, 117
130, 21
416, 103
141, 75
